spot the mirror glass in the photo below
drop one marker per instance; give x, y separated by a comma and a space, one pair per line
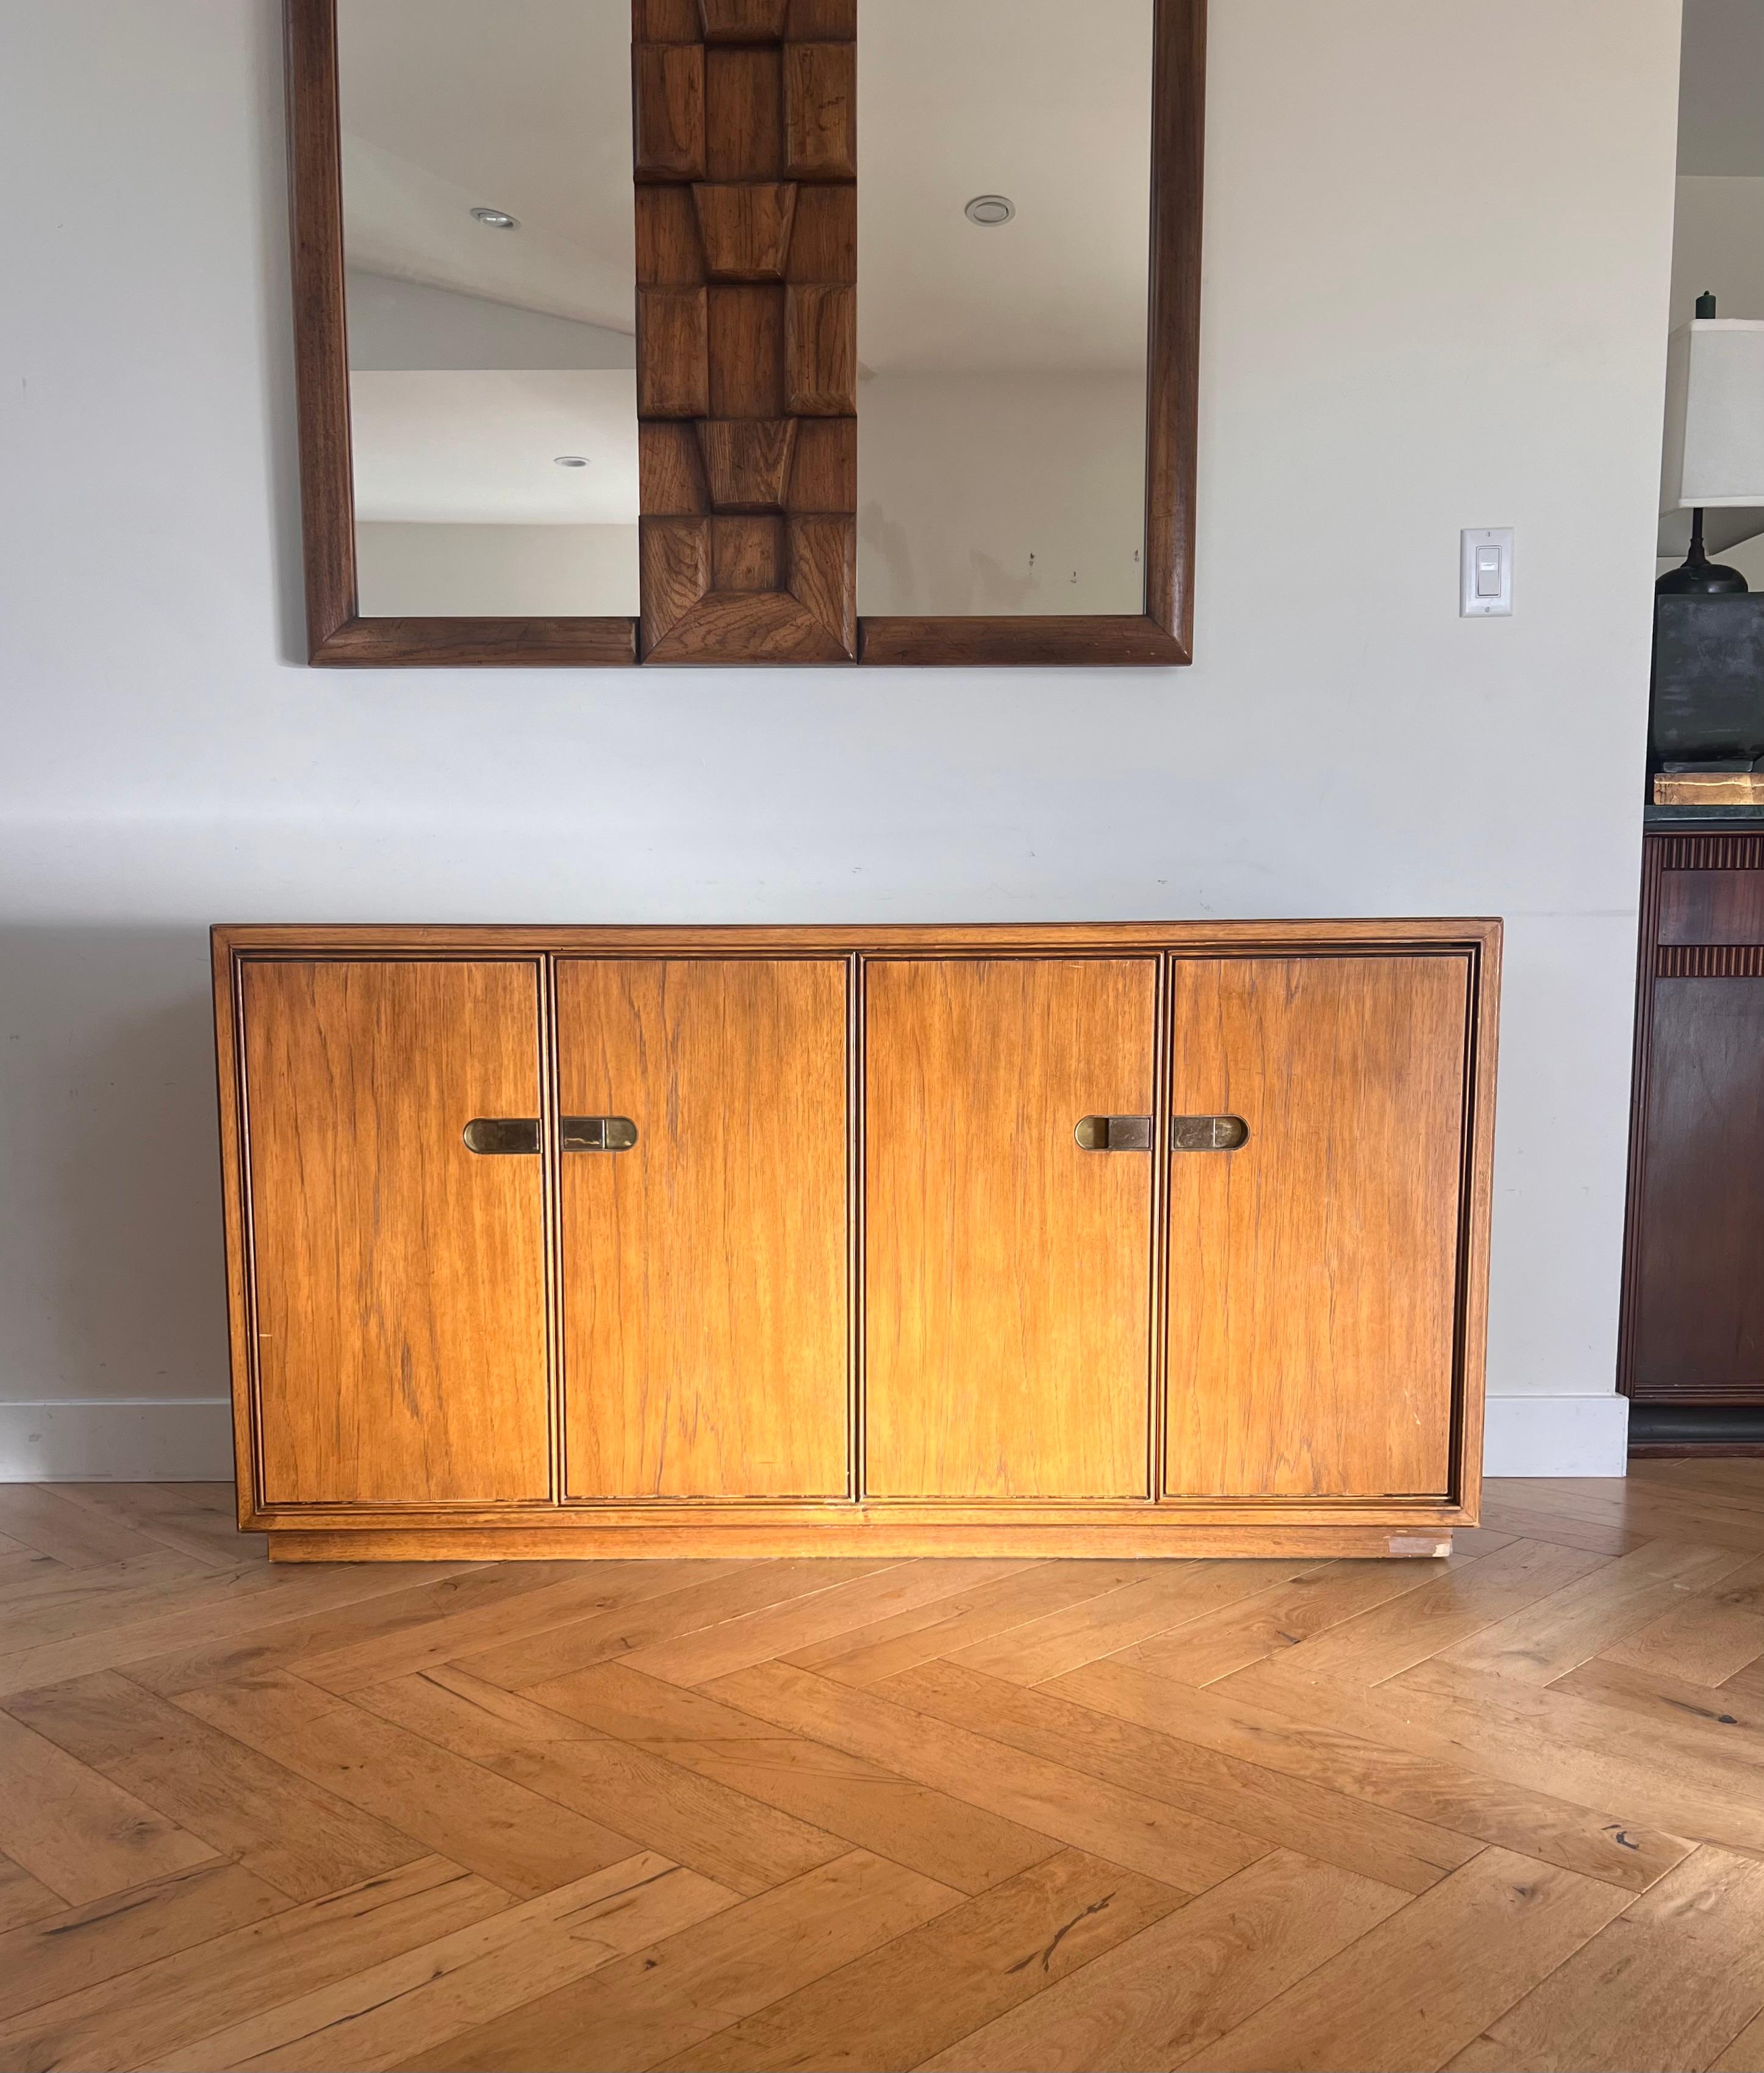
1005, 181
491, 293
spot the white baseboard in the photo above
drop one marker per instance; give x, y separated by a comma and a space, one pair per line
127, 1440
190, 1439
1556, 1436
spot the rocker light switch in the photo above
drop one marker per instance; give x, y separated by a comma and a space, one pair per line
1485, 567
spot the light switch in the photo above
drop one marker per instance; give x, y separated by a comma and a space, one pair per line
1485, 570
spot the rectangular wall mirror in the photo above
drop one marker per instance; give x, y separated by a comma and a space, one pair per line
724, 331
1004, 259
489, 279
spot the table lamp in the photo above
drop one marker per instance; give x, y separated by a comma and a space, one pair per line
1714, 454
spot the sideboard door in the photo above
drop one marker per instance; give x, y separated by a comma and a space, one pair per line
1313, 1270
1007, 1268
399, 1277
706, 1264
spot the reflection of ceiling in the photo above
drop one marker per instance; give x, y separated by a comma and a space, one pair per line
1048, 102
1720, 111
519, 105
478, 447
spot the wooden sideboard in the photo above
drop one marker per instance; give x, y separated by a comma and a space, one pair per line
1693, 1300
1124, 1240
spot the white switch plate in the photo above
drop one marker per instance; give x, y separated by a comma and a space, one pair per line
1476, 600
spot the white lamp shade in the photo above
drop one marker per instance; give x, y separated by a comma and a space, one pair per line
1714, 450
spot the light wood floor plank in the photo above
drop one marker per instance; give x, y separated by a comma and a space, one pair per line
1351, 1746
947, 1838
748, 1587
285, 1642
1669, 1701
1392, 1849
1200, 1651
1170, 1991
23, 1899
82, 1946
1668, 1984
692, 1658
740, 1842
39, 1516
1176, 1848
657, 2002
197, 1519
1173, 1592
142, 2016
894, 2008
1533, 1522
304, 1840
1746, 2053
424, 1997
1418, 1987
1552, 1636
1692, 1780
229, 1604
519, 1839
63, 1603
81, 1835
1701, 1640
1394, 1636
595, 1588
869, 1653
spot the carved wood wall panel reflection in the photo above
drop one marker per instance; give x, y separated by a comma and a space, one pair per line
671, 316
747, 329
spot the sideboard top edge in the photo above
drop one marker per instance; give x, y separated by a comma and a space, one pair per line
1454, 931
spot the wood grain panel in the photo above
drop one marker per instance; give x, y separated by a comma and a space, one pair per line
670, 470
820, 111
747, 461
746, 325
1699, 1302
705, 1296
744, 114
668, 251
400, 1282
747, 553
1712, 907
668, 109
1313, 1274
820, 340
1008, 1272
673, 374
824, 473
745, 230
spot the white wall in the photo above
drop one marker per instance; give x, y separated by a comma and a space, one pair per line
1718, 244
1436, 290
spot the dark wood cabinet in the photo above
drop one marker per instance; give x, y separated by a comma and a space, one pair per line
1693, 1307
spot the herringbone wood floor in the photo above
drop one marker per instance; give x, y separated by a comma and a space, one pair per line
1500, 1813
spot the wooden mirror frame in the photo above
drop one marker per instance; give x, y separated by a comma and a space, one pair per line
746, 200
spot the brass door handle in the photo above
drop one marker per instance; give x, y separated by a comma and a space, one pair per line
1113, 1133
498, 1136
599, 1133
1208, 1133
